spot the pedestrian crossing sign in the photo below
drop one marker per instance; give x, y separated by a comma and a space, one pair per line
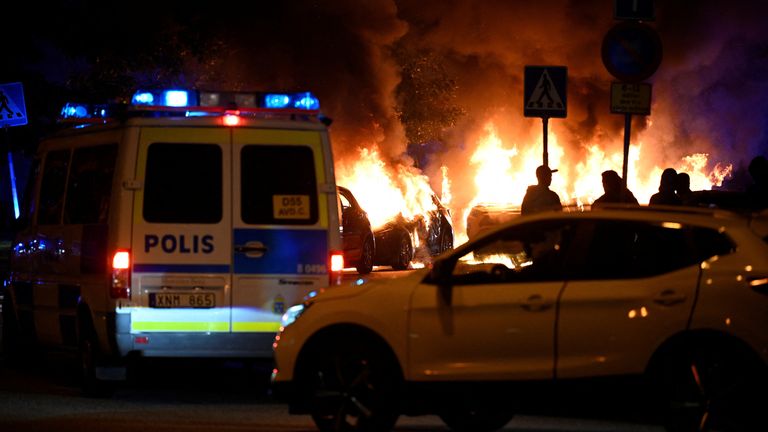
12, 109
544, 92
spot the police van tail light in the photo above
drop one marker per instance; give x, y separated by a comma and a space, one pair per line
121, 275
336, 261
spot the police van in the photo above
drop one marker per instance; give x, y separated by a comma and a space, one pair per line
181, 224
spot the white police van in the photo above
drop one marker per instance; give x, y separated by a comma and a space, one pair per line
182, 224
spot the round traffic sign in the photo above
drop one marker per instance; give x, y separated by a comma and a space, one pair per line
631, 51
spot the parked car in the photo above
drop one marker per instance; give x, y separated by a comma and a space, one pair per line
397, 242
665, 307
400, 239
356, 233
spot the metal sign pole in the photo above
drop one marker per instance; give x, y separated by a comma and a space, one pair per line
627, 131
545, 134
5, 179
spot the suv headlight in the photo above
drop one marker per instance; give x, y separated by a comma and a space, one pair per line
293, 313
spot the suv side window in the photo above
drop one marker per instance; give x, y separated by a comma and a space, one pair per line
278, 185
662, 249
611, 250
183, 183
635, 249
708, 243
534, 252
90, 185
52, 188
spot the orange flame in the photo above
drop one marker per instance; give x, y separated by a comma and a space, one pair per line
501, 174
383, 192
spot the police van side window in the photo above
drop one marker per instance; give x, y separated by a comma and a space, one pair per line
52, 187
90, 184
183, 183
279, 185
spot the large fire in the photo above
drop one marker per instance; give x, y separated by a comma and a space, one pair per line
499, 173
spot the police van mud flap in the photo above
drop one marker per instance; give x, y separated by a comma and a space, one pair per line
274, 269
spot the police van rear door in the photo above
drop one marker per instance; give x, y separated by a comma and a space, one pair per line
182, 224
280, 224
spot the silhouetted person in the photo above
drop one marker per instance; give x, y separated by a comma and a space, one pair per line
666, 194
615, 191
758, 190
539, 197
683, 187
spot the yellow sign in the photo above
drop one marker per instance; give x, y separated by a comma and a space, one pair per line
290, 206
631, 98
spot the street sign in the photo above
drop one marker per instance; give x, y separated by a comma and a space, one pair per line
545, 92
640, 10
631, 98
631, 51
12, 109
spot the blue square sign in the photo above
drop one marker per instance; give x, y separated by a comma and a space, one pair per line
12, 109
544, 92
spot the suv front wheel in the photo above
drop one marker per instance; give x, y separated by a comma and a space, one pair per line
352, 387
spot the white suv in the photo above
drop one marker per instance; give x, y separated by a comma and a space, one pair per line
667, 303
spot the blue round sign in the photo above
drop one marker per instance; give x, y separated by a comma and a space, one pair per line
631, 51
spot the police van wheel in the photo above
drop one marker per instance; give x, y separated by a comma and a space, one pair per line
89, 357
14, 349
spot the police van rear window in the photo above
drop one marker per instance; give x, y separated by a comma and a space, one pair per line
183, 183
279, 185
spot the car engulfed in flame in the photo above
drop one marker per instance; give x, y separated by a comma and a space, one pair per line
400, 243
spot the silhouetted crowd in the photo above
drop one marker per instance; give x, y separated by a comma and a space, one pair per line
674, 189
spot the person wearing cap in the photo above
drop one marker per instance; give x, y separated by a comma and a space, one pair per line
615, 191
539, 197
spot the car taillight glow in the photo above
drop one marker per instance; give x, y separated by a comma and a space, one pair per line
121, 275
337, 261
121, 260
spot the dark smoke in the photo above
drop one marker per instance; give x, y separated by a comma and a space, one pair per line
709, 93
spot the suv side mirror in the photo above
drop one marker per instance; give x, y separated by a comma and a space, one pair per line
441, 275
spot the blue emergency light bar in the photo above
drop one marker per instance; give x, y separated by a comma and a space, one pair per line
84, 111
194, 103
165, 98
236, 100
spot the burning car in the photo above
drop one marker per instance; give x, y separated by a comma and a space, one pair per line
356, 233
397, 242
484, 217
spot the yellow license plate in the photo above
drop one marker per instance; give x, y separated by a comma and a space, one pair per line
182, 300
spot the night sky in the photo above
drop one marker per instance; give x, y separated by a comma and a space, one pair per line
449, 65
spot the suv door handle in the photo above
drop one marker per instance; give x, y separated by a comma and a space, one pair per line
669, 297
536, 303
252, 249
